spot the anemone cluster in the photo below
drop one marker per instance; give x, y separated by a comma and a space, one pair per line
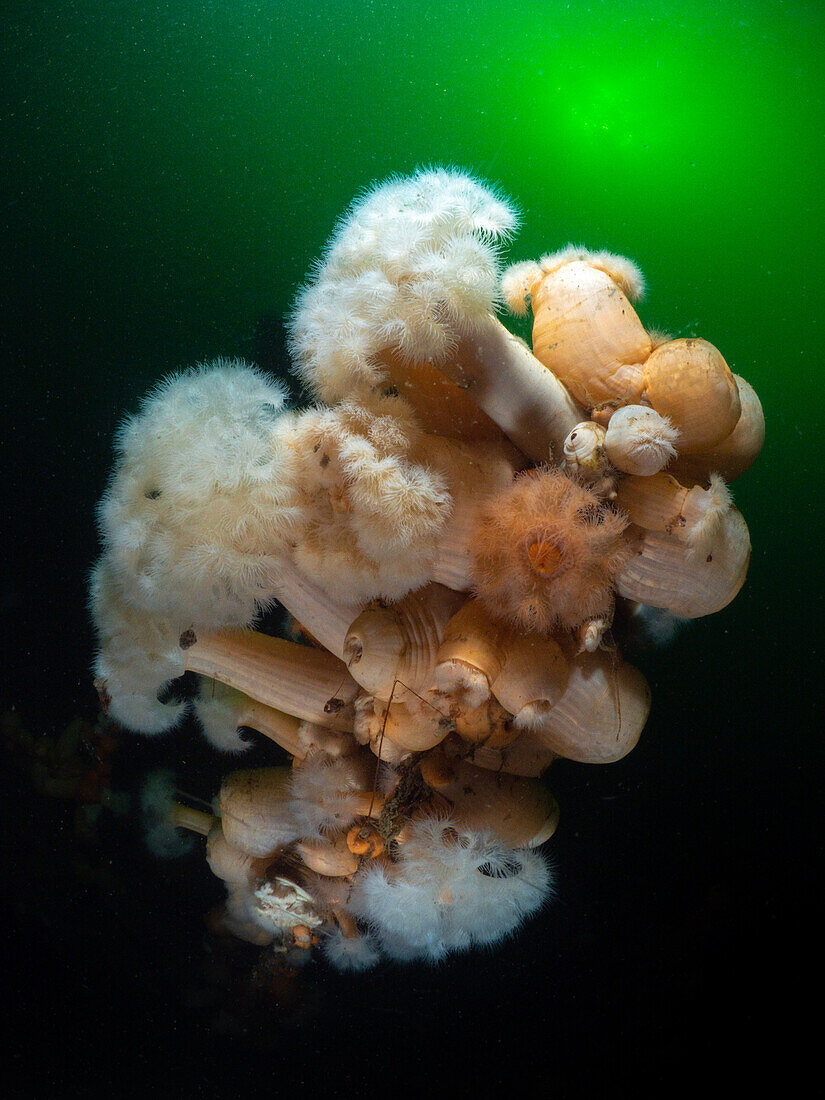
451, 527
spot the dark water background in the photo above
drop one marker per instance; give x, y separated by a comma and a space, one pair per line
171, 170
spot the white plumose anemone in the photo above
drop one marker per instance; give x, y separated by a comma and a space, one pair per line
138, 653
373, 507
412, 266
451, 889
194, 523
217, 713
201, 500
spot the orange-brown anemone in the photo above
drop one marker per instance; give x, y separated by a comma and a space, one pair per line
546, 551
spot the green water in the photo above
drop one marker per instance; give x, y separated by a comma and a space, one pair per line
172, 170
177, 166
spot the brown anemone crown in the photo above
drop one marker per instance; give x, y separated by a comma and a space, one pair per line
568, 546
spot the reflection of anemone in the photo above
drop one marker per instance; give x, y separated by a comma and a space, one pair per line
157, 798
546, 551
451, 889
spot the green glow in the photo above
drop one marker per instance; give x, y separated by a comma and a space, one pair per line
191, 161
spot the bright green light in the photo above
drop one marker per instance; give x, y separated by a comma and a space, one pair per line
627, 106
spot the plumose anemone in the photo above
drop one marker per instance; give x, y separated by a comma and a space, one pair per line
463, 531
546, 552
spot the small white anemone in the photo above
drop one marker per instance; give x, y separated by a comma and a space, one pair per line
327, 792
639, 440
354, 953
704, 512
